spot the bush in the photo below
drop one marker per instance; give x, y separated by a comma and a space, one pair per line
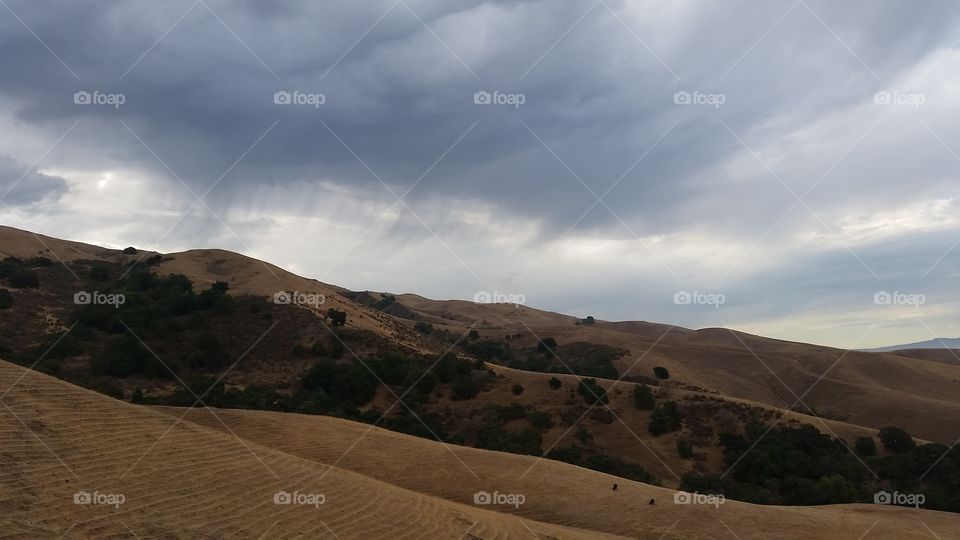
665, 418
99, 272
555, 383
423, 327
643, 397
337, 317
865, 446
684, 449
583, 435
474, 335
547, 345
661, 372
464, 387
130, 251
318, 349
137, 396
589, 320
517, 389
592, 392
23, 278
351, 384
540, 420
896, 439
6, 299
124, 356
38, 262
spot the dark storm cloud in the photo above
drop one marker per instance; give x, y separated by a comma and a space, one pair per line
21, 185
399, 97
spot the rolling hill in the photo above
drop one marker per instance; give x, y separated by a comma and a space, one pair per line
81, 465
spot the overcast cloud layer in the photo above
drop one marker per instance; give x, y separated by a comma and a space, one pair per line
785, 161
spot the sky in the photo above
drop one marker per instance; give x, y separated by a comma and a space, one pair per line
786, 168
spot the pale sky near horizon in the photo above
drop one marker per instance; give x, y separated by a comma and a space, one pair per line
786, 168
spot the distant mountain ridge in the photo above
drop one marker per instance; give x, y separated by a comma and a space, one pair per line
936, 343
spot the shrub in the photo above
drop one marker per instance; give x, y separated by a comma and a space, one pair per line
547, 345
684, 449
865, 446
589, 320
423, 327
464, 387
643, 397
38, 262
473, 335
896, 439
592, 392
318, 349
6, 299
517, 389
665, 418
23, 278
337, 317
130, 251
137, 396
540, 420
555, 383
99, 272
583, 435
661, 372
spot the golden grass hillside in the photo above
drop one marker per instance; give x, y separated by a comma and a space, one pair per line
557, 492
159, 478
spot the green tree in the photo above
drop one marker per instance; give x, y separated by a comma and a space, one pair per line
665, 418
643, 397
23, 278
547, 345
423, 327
6, 299
592, 392
684, 449
337, 317
896, 439
137, 396
517, 389
554, 383
661, 372
865, 446
99, 272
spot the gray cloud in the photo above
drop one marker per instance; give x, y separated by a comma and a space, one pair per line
20, 185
